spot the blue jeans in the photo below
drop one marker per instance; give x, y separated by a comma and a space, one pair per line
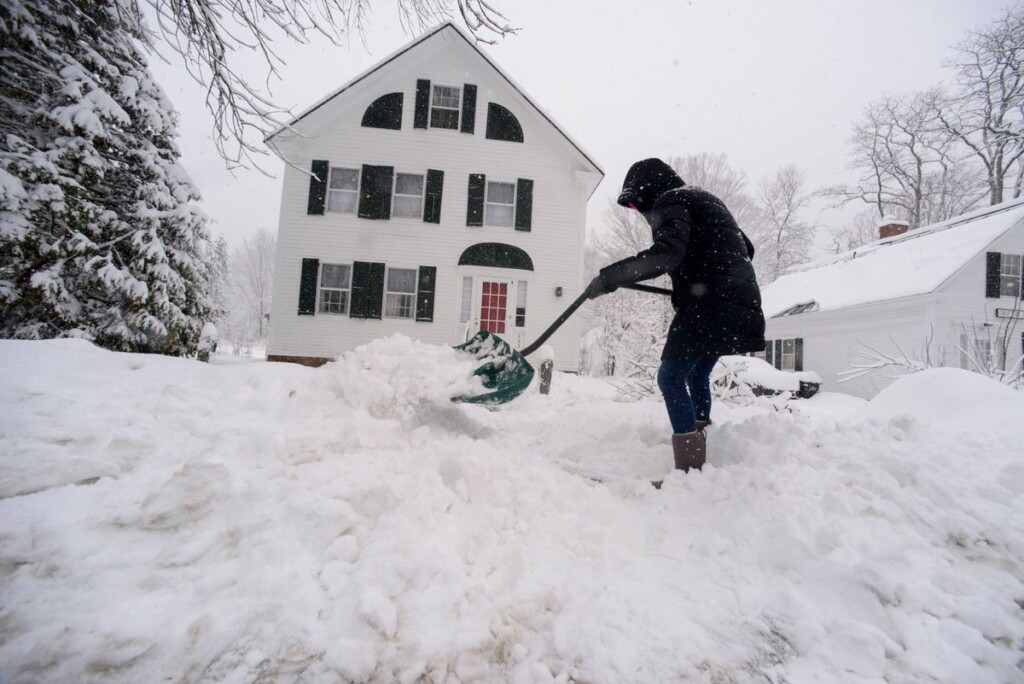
685, 385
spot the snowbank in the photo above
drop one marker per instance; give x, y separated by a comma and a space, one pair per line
950, 397
164, 519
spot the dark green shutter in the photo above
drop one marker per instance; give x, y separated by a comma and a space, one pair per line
496, 255
432, 205
524, 204
468, 108
425, 294
993, 265
384, 112
798, 348
375, 192
778, 354
367, 290
475, 204
769, 352
422, 115
502, 124
307, 286
318, 187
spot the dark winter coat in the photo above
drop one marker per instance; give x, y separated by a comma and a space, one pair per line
696, 242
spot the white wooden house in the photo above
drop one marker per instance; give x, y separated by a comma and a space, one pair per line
439, 200
948, 294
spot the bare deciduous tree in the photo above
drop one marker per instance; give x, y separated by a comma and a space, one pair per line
253, 270
860, 231
209, 35
986, 111
782, 238
251, 281
911, 166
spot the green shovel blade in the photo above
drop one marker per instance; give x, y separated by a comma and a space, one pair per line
503, 371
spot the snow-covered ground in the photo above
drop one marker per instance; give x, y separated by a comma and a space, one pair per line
167, 520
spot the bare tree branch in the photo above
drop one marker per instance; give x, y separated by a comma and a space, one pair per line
986, 111
208, 35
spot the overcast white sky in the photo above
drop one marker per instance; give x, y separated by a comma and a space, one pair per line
767, 82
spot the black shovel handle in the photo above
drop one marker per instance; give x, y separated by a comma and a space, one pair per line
556, 325
649, 288
572, 309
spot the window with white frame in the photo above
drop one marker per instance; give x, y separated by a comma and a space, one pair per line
445, 104
400, 293
500, 204
343, 190
408, 196
975, 352
521, 304
467, 300
1009, 275
335, 285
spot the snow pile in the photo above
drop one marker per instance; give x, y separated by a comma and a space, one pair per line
169, 520
949, 397
394, 376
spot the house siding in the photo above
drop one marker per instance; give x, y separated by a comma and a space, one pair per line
835, 340
333, 133
924, 327
963, 307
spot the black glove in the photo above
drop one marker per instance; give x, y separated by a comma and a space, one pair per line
598, 287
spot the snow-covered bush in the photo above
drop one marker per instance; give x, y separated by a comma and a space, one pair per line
746, 380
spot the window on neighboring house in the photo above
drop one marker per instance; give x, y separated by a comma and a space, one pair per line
408, 196
500, 204
335, 285
783, 354
521, 304
445, 104
467, 300
1009, 275
343, 190
975, 352
788, 355
400, 293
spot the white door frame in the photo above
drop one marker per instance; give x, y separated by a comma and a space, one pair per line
513, 335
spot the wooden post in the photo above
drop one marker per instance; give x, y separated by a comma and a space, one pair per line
546, 370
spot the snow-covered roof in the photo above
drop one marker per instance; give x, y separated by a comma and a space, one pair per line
449, 27
914, 263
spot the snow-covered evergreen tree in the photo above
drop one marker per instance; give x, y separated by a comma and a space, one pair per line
100, 234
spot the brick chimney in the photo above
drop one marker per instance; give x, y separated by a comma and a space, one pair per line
890, 227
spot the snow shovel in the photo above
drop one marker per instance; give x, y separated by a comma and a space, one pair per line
505, 372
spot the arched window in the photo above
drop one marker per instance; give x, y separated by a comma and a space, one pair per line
384, 112
502, 124
496, 255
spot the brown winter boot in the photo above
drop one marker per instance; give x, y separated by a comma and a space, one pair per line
690, 450
701, 424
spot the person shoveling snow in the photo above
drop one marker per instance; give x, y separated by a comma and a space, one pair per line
718, 304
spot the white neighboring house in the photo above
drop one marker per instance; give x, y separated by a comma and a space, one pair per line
440, 200
935, 294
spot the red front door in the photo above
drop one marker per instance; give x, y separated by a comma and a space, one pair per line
493, 306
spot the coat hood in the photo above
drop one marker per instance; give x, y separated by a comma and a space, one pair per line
646, 181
